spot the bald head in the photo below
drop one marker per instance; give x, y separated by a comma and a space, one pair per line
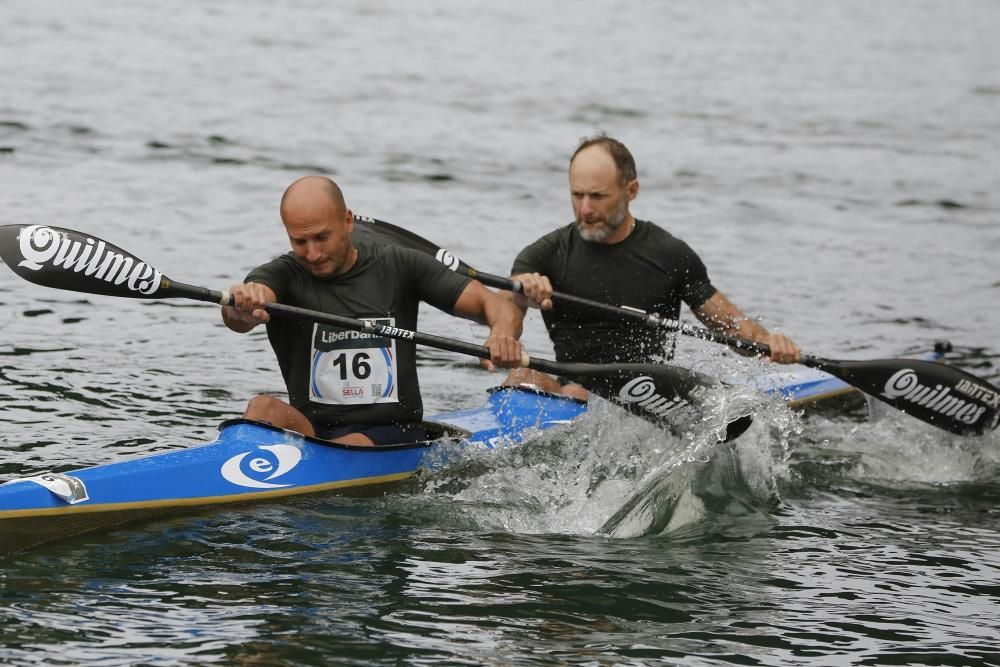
313, 192
319, 226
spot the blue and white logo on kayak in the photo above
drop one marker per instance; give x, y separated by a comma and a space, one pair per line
256, 469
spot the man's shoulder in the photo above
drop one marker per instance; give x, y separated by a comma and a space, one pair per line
563, 233
409, 266
284, 263
653, 230
557, 237
650, 232
540, 254
391, 254
284, 259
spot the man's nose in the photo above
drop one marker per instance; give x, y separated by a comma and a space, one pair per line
312, 251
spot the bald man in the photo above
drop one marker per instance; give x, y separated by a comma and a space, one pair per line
607, 255
347, 386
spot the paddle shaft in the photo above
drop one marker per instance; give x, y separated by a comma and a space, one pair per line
973, 410
641, 317
408, 239
185, 291
578, 371
386, 331
848, 371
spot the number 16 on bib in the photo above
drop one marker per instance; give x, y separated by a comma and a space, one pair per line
352, 367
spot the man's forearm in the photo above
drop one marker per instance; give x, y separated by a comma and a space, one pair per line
721, 314
497, 311
503, 316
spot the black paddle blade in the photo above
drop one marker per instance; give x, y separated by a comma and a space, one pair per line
69, 260
64, 259
662, 394
942, 395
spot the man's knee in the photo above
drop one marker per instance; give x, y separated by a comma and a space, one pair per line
518, 376
534, 379
264, 408
574, 390
274, 411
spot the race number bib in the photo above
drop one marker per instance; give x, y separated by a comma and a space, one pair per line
352, 367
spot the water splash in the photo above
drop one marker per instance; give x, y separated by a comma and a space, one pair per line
889, 452
613, 474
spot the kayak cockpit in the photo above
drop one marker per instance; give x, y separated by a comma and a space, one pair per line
435, 430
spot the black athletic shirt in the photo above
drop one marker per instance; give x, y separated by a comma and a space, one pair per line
650, 270
337, 376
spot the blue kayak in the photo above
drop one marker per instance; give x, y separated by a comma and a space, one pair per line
250, 461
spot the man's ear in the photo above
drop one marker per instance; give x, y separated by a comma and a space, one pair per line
632, 189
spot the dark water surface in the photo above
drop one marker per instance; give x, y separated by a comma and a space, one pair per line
835, 165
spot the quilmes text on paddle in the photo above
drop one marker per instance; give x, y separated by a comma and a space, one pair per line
43, 247
904, 384
641, 392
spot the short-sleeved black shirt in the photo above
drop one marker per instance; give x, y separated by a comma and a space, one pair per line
337, 376
650, 270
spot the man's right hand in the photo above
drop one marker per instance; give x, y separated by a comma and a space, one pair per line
536, 290
247, 309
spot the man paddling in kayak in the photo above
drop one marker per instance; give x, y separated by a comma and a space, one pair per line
347, 386
609, 256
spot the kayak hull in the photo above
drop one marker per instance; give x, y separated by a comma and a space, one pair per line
250, 462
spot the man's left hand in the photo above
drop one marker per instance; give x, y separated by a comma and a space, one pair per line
783, 349
505, 352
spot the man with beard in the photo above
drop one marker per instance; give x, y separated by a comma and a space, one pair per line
610, 257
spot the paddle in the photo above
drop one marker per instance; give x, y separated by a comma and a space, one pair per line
942, 395
65, 259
